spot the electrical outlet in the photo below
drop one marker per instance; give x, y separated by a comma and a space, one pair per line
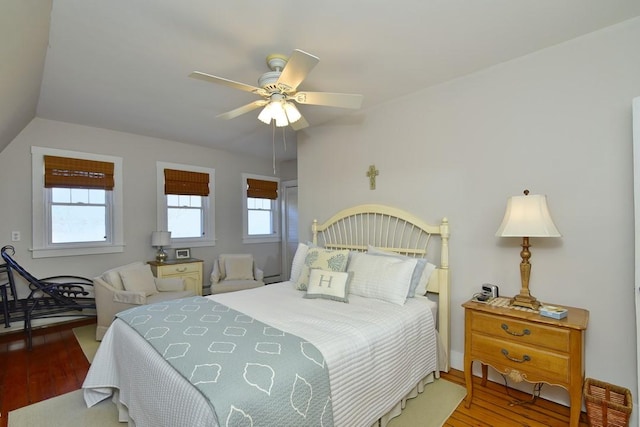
15, 236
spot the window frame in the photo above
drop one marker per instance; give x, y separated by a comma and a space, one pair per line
275, 208
208, 205
41, 214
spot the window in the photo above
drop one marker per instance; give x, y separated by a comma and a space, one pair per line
77, 205
261, 217
185, 203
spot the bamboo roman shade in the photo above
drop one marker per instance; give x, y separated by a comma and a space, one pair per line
66, 172
260, 189
186, 183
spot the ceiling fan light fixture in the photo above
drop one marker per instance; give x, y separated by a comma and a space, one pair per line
278, 114
292, 112
265, 115
274, 111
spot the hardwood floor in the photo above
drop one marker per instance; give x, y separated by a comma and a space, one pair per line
56, 365
491, 407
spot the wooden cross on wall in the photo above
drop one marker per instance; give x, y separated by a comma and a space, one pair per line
372, 173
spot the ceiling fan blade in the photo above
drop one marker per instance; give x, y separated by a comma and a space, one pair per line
301, 123
242, 110
299, 65
230, 83
342, 100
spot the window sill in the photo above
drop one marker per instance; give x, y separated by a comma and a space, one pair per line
260, 239
60, 252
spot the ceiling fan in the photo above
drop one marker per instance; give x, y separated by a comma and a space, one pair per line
278, 88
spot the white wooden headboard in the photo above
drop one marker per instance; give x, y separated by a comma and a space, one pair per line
396, 230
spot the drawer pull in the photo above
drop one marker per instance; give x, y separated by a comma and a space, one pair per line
181, 269
525, 358
517, 334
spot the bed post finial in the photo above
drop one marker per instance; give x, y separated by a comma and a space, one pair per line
314, 229
444, 235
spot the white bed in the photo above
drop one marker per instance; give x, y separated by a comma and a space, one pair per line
377, 353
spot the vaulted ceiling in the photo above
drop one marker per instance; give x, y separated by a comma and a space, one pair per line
124, 64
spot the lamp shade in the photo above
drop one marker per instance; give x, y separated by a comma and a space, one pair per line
160, 238
281, 111
292, 112
527, 216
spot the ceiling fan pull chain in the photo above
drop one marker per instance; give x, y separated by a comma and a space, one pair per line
273, 145
284, 139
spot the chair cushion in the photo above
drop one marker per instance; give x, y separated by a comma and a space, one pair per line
139, 279
235, 285
239, 268
168, 296
169, 284
222, 262
112, 277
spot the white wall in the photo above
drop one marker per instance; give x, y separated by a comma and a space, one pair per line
557, 122
140, 155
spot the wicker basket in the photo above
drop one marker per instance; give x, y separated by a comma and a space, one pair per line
607, 405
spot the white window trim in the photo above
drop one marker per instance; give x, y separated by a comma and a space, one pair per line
39, 239
264, 238
209, 238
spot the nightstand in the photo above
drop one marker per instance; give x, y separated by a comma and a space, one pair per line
526, 347
190, 270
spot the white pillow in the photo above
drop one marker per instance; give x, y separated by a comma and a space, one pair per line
238, 268
424, 280
324, 259
298, 262
421, 274
381, 277
333, 285
139, 279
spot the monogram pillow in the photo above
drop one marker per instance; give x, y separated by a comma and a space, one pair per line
323, 259
333, 285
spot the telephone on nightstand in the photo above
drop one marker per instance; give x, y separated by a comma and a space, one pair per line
488, 293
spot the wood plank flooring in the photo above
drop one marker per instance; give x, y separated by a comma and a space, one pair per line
56, 365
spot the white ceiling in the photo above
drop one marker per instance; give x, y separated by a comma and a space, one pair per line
123, 64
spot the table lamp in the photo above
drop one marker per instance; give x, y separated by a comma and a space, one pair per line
159, 239
527, 216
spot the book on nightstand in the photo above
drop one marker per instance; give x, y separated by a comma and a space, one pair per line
553, 312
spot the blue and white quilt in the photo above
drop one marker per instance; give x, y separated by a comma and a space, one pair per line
251, 373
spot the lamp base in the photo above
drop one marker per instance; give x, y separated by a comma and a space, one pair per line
161, 256
523, 300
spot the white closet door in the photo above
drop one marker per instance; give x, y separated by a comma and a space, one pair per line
636, 191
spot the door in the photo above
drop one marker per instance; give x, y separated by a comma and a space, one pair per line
289, 225
636, 201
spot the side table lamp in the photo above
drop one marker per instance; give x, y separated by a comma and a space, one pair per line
160, 239
527, 216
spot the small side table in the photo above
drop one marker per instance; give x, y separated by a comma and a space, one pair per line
189, 269
526, 346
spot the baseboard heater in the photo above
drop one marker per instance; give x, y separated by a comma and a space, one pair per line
272, 279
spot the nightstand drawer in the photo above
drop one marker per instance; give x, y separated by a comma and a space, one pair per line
526, 333
538, 363
180, 268
189, 270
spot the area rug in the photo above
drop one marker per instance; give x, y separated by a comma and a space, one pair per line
429, 409
86, 337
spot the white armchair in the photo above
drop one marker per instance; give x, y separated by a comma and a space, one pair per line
235, 272
129, 286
